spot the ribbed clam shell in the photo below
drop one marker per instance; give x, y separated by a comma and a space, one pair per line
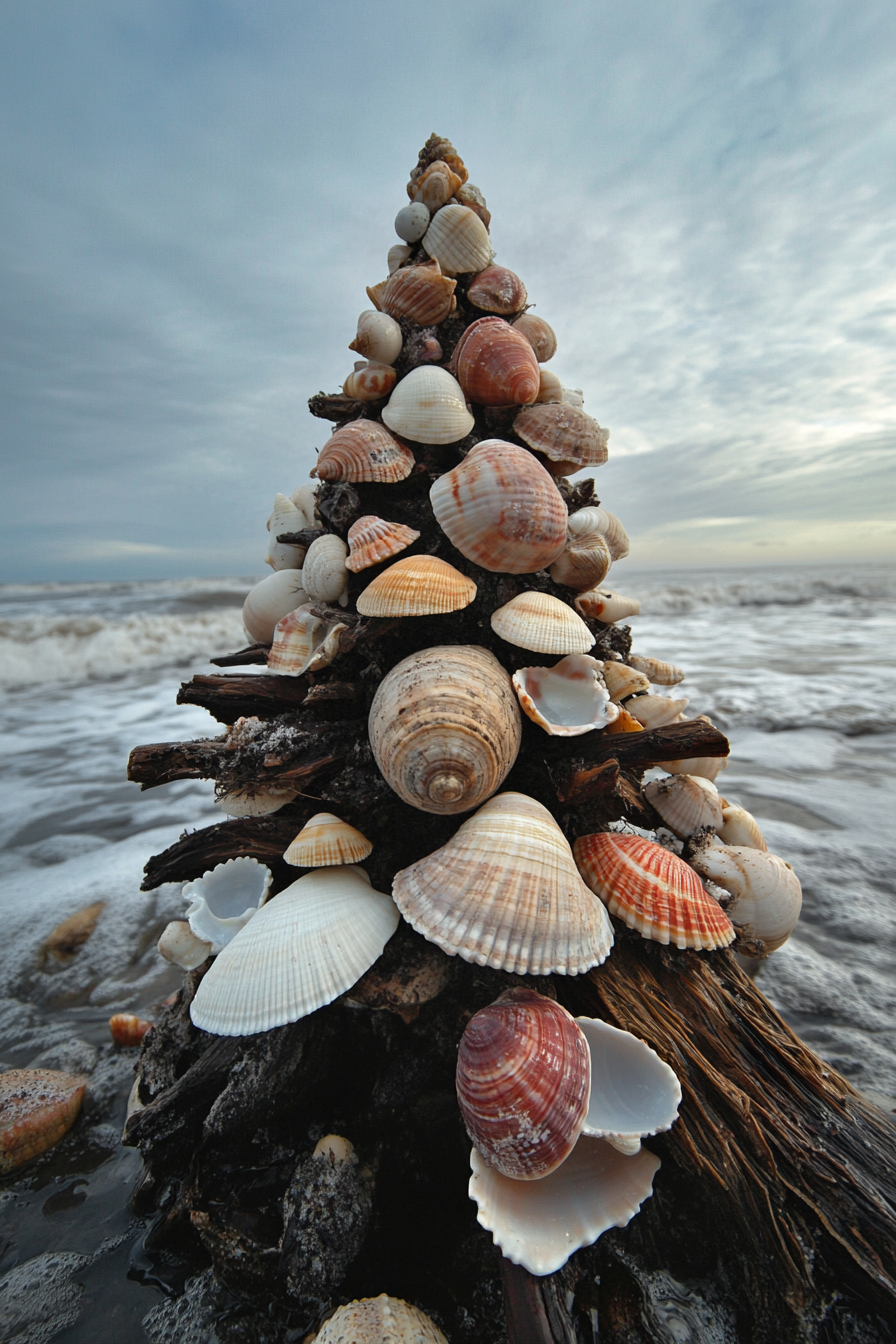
633, 1092
270, 600
179, 945
326, 841
370, 380
565, 435
428, 406
379, 1320
523, 1083
652, 890
412, 221
285, 518
623, 681
567, 699
600, 604
225, 898
495, 365
656, 671
379, 337
539, 335
397, 256
766, 890
541, 623
614, 533
497, 290
258, 802
445, 728
502, 510
303, 643
739, 827
686, 803
418, 585
364, 450
458, 240
375, 294
37, 1107
585, 562
323, 574
550, 388
303, 948
372, 540
504, 892
656, 711
422, 294
538, 1224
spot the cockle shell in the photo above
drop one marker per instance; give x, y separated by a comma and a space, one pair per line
372, 540
435, 187
523, 1083
379, 337
285, 518
428, 406
445, 728
504, 892
495, 365
633, 1092
303, 643
379, 1320
225, 898
326, 841
567, 699
502, 510
550, 389
565, 435
458, 240
686, 803
586, 560
739, 827
652, 890
179, 945
395, 257
257, 801
497, 290
370, 381
418, 585
599, 604
303, 948
421, 293
541, 623
323, 573
270, 600
539, 335
37, 1107
127, 1029
657, 672
412, 221
766, 892
364, 450
655, 711
623, 681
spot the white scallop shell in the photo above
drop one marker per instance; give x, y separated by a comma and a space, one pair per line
567, 699
225, 898
412, 222
271, 600
633, 1092
739, 827
379, 335
686, 803
458, 240
179, 945
285, 518
323, 573
766, 891
541, 623
428, 406
258, 802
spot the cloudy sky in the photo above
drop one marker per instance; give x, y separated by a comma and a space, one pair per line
699, 197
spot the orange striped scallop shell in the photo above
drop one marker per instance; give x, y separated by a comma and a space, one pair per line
418, 585
364, 450
421, 293
372, 540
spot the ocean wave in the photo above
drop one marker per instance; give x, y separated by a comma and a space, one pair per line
680, 595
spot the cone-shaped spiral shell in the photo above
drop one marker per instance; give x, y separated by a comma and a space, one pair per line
285, 518
567, 699
586, 560
458, 240
179, 945
422, 294
565, 435
436, 149
370, 380
623, 681
504, 892
686, 803
550, 389
379, 1320
501, 509
418, 585
523, 1083
445, 728
652, 890
303, 948
37, 1107
655, 711
379, 337
497, 290
372, 540
364, 450
614, 533
739, 827
541, 623
656, 671
224, 899
495, 365
599, 604
539, 335
326, 841
270, 600
303, 643
633, 1092
428, 406
412, 221
766, 891
323, 574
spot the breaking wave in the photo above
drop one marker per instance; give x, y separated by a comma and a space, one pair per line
679, 594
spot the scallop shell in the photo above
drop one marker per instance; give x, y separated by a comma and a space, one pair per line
364, 450
567, 699
445, 728
652, 890
428, 406
655, 711
303, 643
623, 681
495, 365
379, 1320
323, 574
599, 604
550, 389
497, 290
504, 892
412, 221
739, 827
37, 1107
285, 518
418, 585
255, 802
686, 803
271, 600
225, 898
567, 437
501, 510
523, 1083
325, 841
586, 560
633, 1092
395, 257
379, 337
766, 891
541, 623
370, 381
657, 672
372, 540
458, 240
179, 945
422, 294
539, 335
303, 948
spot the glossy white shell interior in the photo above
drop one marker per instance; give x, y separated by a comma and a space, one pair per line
633, 1092
224, 899
567, 699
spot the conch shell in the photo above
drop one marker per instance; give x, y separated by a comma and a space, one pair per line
599, 604
379, 337
372, 540
656, 671
364, 450
565, 435
495, 365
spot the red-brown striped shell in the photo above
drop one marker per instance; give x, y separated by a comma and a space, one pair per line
372, 539
523, 1083
495, 364
421, 293
653, 890
364, 450
497, 290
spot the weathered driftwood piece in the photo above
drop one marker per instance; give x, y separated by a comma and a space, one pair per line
336, 406
255, 653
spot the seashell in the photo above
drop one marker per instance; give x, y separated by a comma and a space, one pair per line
686, 803
325, 841
703, 767
412, 221
37, 1107
445, 728
271, 600
428, 406
624, 681
550, 389
539, 335
437, 147
302, 950
586, 560
127, 1029
523, 1083
370, 381
285, 518
225, 898
418, 585
541, 623
501, 510
303, 643
473, 198
567, 699
657, 672
565, 435
655, 711
573, 396
417, 976
504, 892
254, 802
364, 450
395, 257
435, 187
610, 527
600, 604
379, 337
67, 939
323, 574
633, 1092
372, 540
766, 892
305, 500
420, 293
458, 240
179, 945
495, 365
375, 294
652, 890
497, 290
739, 827
625, 723
375, 1320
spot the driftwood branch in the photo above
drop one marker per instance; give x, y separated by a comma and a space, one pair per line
255, 653
336, 406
